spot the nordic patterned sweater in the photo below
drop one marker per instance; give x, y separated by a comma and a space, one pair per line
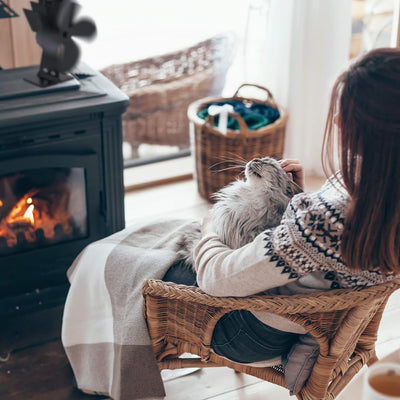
300, 255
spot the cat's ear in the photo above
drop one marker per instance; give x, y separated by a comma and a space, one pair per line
292, 188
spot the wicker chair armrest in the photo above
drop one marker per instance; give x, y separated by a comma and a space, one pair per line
317, 302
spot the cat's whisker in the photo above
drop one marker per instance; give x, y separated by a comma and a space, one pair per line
235, 164
226, 169
217, 163
232, 158
238, 157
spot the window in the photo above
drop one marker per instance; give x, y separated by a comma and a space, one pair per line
169, 47
166, 55
375, 23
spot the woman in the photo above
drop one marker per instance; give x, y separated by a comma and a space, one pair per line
345, 235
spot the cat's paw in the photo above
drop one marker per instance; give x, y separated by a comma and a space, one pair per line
187, 244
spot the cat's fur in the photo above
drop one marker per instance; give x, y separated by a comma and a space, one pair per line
245, 208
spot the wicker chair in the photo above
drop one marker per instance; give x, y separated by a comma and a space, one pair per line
181, 320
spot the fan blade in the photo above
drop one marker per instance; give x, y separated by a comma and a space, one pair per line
33, 20
49, 41
66, 14
85, 28
69, 56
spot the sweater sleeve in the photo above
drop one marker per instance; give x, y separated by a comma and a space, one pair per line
269, 261
222, 271
307, 240
310, 234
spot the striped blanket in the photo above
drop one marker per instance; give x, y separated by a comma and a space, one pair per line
104, 333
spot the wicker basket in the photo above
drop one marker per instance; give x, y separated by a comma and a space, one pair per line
161, 88
215, 153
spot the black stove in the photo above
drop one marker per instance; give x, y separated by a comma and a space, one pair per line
61, 181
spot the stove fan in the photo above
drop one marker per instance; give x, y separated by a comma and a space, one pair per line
55, 25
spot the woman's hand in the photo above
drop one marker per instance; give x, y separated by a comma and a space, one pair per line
208, 224
294, 169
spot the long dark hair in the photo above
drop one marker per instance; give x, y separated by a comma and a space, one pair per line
364, 117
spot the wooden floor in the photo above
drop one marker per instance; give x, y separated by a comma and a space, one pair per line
42, 372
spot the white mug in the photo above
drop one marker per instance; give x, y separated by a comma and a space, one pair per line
377, 380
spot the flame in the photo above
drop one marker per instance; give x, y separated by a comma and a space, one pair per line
33, 214
1, 203
29, 213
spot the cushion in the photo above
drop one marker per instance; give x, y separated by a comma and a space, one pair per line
299, 362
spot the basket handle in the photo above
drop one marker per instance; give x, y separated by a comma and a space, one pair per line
243, 129
269, 101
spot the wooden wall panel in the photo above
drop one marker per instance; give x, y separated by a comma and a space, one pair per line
26, 50
6, 48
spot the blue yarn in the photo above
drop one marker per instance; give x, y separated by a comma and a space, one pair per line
256, 115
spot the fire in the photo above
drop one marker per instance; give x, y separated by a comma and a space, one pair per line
29, 214
39, 215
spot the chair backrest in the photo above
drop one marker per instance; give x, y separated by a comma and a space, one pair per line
343, 321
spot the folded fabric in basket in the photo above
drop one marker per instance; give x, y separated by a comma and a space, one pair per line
256, 116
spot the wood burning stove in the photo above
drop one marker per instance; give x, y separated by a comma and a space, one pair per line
61, 182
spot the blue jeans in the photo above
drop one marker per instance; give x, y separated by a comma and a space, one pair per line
238, 335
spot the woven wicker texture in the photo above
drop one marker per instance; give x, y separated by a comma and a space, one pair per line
161, 88
344, 322
214, 152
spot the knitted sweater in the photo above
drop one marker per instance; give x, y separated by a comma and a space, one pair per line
300, 255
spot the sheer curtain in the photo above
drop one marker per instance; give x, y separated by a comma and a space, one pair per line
308, 46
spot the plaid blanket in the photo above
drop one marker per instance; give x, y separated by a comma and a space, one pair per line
104, 332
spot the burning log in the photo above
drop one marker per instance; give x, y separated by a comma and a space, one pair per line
40, 215
40, 238
19, 224
21, 239
58, 232
3, 243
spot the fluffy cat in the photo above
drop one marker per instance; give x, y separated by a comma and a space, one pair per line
245, 208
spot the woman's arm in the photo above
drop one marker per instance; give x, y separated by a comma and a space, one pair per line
296, 247
251, 269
